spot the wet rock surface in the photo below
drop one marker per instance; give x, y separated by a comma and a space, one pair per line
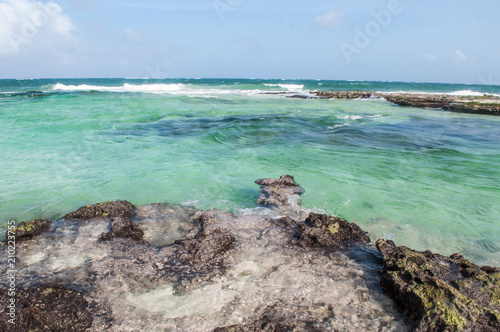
46, 308
442, 293
321, 230
29, 229
106, 209
282, 317
273, 268
277, 192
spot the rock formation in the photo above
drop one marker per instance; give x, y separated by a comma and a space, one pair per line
442, 293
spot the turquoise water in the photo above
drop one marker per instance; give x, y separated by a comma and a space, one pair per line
427, 179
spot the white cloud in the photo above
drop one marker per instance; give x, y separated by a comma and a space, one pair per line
330, 21
459, 56
24, 22
430, 57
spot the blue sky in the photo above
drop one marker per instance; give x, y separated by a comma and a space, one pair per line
397, 40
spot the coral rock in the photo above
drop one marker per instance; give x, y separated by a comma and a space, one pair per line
106, 209
441, 293
321, 230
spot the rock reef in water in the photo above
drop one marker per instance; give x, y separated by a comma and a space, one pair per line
29, 229
277, 192
178, 269
442, 293
106, 209
486, 104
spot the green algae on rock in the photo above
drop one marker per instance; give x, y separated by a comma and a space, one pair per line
29, 229
106, 209
441, 293
321, 230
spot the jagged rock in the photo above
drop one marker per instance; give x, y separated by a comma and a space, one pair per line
321, 230
277, 192
124, 228
487, 104
46, 308
106, 209
29, 229
442, 293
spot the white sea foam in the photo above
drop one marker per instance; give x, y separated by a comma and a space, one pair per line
174, 89
351, 117
466, 93
288, 87
338, 126
145, 88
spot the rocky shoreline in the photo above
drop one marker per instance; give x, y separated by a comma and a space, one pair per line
114, 266
487, 104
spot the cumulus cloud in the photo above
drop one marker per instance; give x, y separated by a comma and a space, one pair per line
330, 21
460, 56
23, 22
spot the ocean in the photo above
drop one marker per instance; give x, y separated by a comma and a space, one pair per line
425, 178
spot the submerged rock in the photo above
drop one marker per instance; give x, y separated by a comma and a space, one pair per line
105, 209
442, 293
206, 247
46, 308
124, 228
277, 192
321, 230
29, 229
282, 318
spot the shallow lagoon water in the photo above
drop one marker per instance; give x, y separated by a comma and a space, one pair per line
427, 179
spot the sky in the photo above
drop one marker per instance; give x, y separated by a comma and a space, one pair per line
455, 41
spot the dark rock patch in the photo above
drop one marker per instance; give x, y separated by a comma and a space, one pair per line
345, 94
106, 209
321, 230
46, 308
277, 192
206, 247
441, 293
125, 228
284, 318
28, 229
